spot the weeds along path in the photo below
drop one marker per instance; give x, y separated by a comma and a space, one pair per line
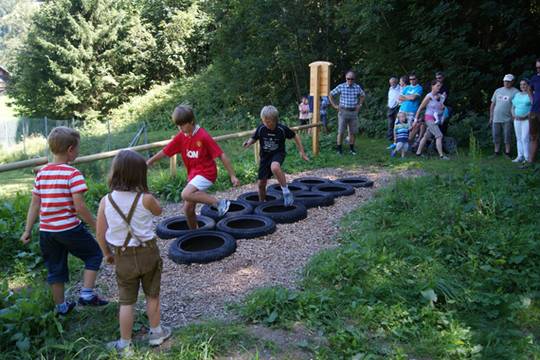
200, 291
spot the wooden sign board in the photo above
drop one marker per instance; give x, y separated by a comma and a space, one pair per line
319, 78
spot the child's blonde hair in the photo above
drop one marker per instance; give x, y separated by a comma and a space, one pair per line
61, 138
183, 114
269, 112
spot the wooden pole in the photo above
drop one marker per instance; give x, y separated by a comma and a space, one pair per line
172, 164
140, 148
315, 119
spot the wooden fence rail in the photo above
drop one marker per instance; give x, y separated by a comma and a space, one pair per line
158, 144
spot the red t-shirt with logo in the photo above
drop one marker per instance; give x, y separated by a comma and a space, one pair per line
198, 153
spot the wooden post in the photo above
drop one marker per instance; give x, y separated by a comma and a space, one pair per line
172, 164
319, 85
315, 119
256, 151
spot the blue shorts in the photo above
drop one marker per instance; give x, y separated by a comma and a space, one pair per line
55, 247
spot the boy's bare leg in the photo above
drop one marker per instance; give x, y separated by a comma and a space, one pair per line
57, 290
192, 194
262, 189
275, 167
125, 317
189, 212
89, 278
351, 138
153, 311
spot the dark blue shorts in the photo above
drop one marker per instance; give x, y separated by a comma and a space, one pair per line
55, 247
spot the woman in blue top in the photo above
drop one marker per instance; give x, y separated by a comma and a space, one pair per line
521, 107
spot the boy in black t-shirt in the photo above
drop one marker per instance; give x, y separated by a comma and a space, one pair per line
272, 136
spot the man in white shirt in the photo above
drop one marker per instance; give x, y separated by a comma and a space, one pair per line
393, 106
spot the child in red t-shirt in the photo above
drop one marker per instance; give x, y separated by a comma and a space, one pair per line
198, 150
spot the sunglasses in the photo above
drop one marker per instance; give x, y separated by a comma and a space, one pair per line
350, 78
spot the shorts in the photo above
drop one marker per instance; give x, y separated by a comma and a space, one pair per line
402, 146
433, 130
265, 171
534, 125
504, 128
303, 121
55, 247
347, 119
141, 265
200, 182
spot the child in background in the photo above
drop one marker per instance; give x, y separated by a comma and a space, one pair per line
303, 108
58, 197
272, 136
324, 113
124, 222
198, 150
401, 135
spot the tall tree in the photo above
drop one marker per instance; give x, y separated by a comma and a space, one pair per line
82, 58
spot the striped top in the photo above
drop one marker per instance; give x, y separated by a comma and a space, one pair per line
402, 132
55, 184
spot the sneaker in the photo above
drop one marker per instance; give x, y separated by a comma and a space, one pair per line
444, 157
223, 207
155, 339
393, 154
507, 155
339, 150
71, 306
288, 198
94, 301
352, 152
391, 146
123, 352
518, 159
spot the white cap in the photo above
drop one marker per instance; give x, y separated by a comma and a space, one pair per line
508, 77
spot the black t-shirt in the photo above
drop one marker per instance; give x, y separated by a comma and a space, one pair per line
272, 141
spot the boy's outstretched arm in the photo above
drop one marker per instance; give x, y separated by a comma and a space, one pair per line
31, 217
160, 155
82, 210
248, 142
101, 229
300, 147
230, 170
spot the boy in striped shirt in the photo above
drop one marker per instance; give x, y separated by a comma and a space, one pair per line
58, 197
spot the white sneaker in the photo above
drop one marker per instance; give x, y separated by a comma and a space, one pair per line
155, 339
518, 159
223, 207
122, 352
288, 198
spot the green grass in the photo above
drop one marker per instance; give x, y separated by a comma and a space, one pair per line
441, 266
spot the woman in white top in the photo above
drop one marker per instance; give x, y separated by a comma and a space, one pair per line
521, 108
124, 222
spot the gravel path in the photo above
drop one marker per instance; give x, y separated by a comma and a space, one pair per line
191, 292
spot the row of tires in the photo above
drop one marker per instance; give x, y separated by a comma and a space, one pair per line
249, 218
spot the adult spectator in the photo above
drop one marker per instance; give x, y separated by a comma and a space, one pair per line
440, 77
410, 101
534, 117
392, 106
521, 107
434, 105
324, 112
351, 98
500, 114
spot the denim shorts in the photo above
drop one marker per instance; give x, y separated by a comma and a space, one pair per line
55, 247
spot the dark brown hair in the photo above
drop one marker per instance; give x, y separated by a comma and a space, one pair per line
128, 172
183, 114
61, 138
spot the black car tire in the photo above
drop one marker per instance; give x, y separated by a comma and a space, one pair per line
335, 189
176, 226
311, 181
313, 198
280, 213
252, 197
202, 247
237, 207
247, 226
355, 181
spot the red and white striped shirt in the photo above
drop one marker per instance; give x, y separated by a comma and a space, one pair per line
55, 184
